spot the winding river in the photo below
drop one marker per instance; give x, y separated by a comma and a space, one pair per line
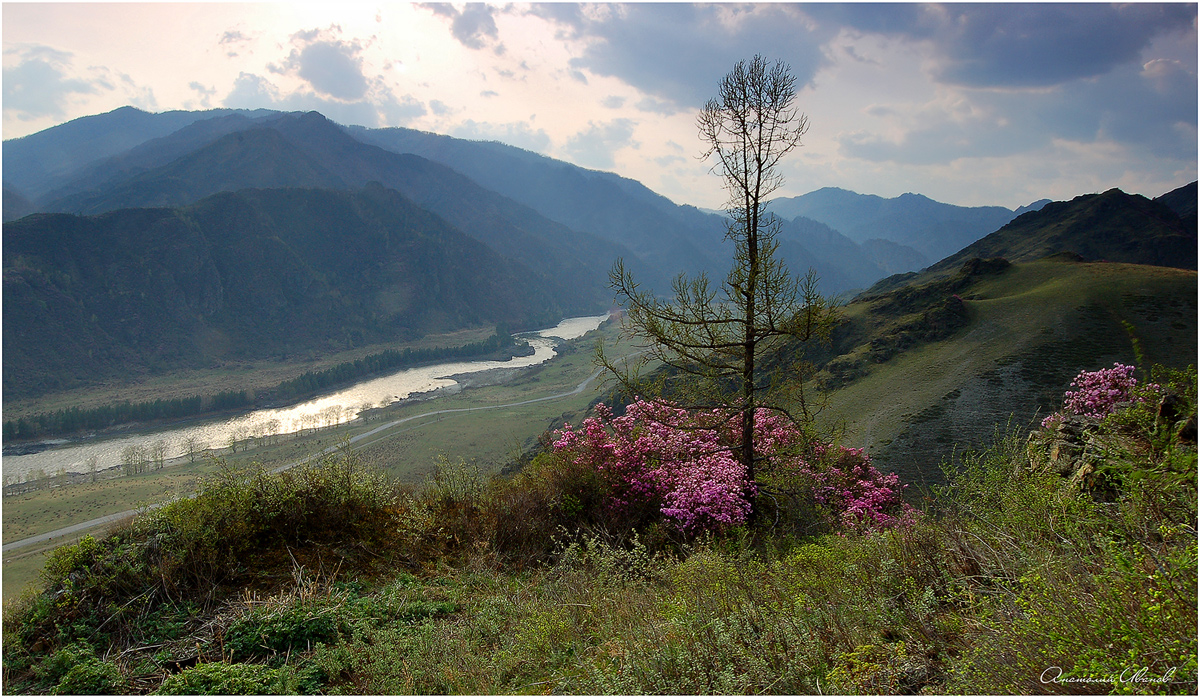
334, 408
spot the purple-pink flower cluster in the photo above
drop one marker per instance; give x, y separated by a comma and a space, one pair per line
1097, 393
683, 462
855, 492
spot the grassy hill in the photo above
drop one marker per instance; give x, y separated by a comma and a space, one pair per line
937, 366
1113, 226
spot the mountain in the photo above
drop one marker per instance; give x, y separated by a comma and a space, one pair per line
1035, 206
37, 163
250, 274
621, 210
934, 229
16, 206
1183, 202
307, 150
839, 261
992, 334
1113, 226
544, 213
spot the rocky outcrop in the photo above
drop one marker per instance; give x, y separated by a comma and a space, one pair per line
1073, 448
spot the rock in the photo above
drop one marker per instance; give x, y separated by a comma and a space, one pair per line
1070, 450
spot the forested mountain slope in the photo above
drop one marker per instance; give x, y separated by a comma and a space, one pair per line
256, 273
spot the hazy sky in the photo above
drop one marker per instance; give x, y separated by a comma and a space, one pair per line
970, 104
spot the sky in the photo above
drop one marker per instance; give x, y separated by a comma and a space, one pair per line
970, 104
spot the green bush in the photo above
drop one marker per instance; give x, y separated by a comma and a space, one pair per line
218, 679
290, 628
91, 677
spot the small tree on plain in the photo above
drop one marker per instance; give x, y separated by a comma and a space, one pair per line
710, 339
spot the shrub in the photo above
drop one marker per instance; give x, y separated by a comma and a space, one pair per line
658, 459
282, 629
91, 677
190, 553
1097, 393
218, 679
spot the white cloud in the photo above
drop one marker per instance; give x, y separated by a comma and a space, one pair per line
42, 81
596, 146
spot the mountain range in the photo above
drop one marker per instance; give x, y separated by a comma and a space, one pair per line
160, 241
247, 274
543, 212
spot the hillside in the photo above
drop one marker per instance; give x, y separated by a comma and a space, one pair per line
1037, 570
1113, 226
929, 367
307, 150
257, 273
42, 161
667, 237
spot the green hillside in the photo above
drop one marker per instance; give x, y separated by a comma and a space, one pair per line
1113, 226
919, 372
329, 579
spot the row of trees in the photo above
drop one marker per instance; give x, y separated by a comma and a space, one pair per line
76, 419
316, 381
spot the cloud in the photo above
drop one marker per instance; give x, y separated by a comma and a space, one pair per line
233, 38
679, 52
331, 66
518, 134
42, 82
206, 93
256, 92
595, 147
473, 27
1028, 45
1152, 108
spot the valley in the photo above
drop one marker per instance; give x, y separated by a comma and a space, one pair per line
469, 424
587, 349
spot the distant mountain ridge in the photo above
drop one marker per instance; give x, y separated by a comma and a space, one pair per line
556, 218
606, 216
1112, 226
932, 228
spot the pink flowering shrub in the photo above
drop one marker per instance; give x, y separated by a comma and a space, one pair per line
682, 465
853, 493
1097, 393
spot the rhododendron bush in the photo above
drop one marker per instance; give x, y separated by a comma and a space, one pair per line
1096, 394
682, 463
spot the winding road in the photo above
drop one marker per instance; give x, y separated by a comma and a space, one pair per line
94, 523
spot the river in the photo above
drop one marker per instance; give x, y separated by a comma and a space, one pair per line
334, 408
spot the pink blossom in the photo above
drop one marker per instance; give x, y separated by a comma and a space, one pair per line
683, 462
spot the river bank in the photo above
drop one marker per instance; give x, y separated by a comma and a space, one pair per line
275, 423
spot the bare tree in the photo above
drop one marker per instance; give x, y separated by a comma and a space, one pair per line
710, 338
158, 454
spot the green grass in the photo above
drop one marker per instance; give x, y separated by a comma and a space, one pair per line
1031, 330
471, 586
